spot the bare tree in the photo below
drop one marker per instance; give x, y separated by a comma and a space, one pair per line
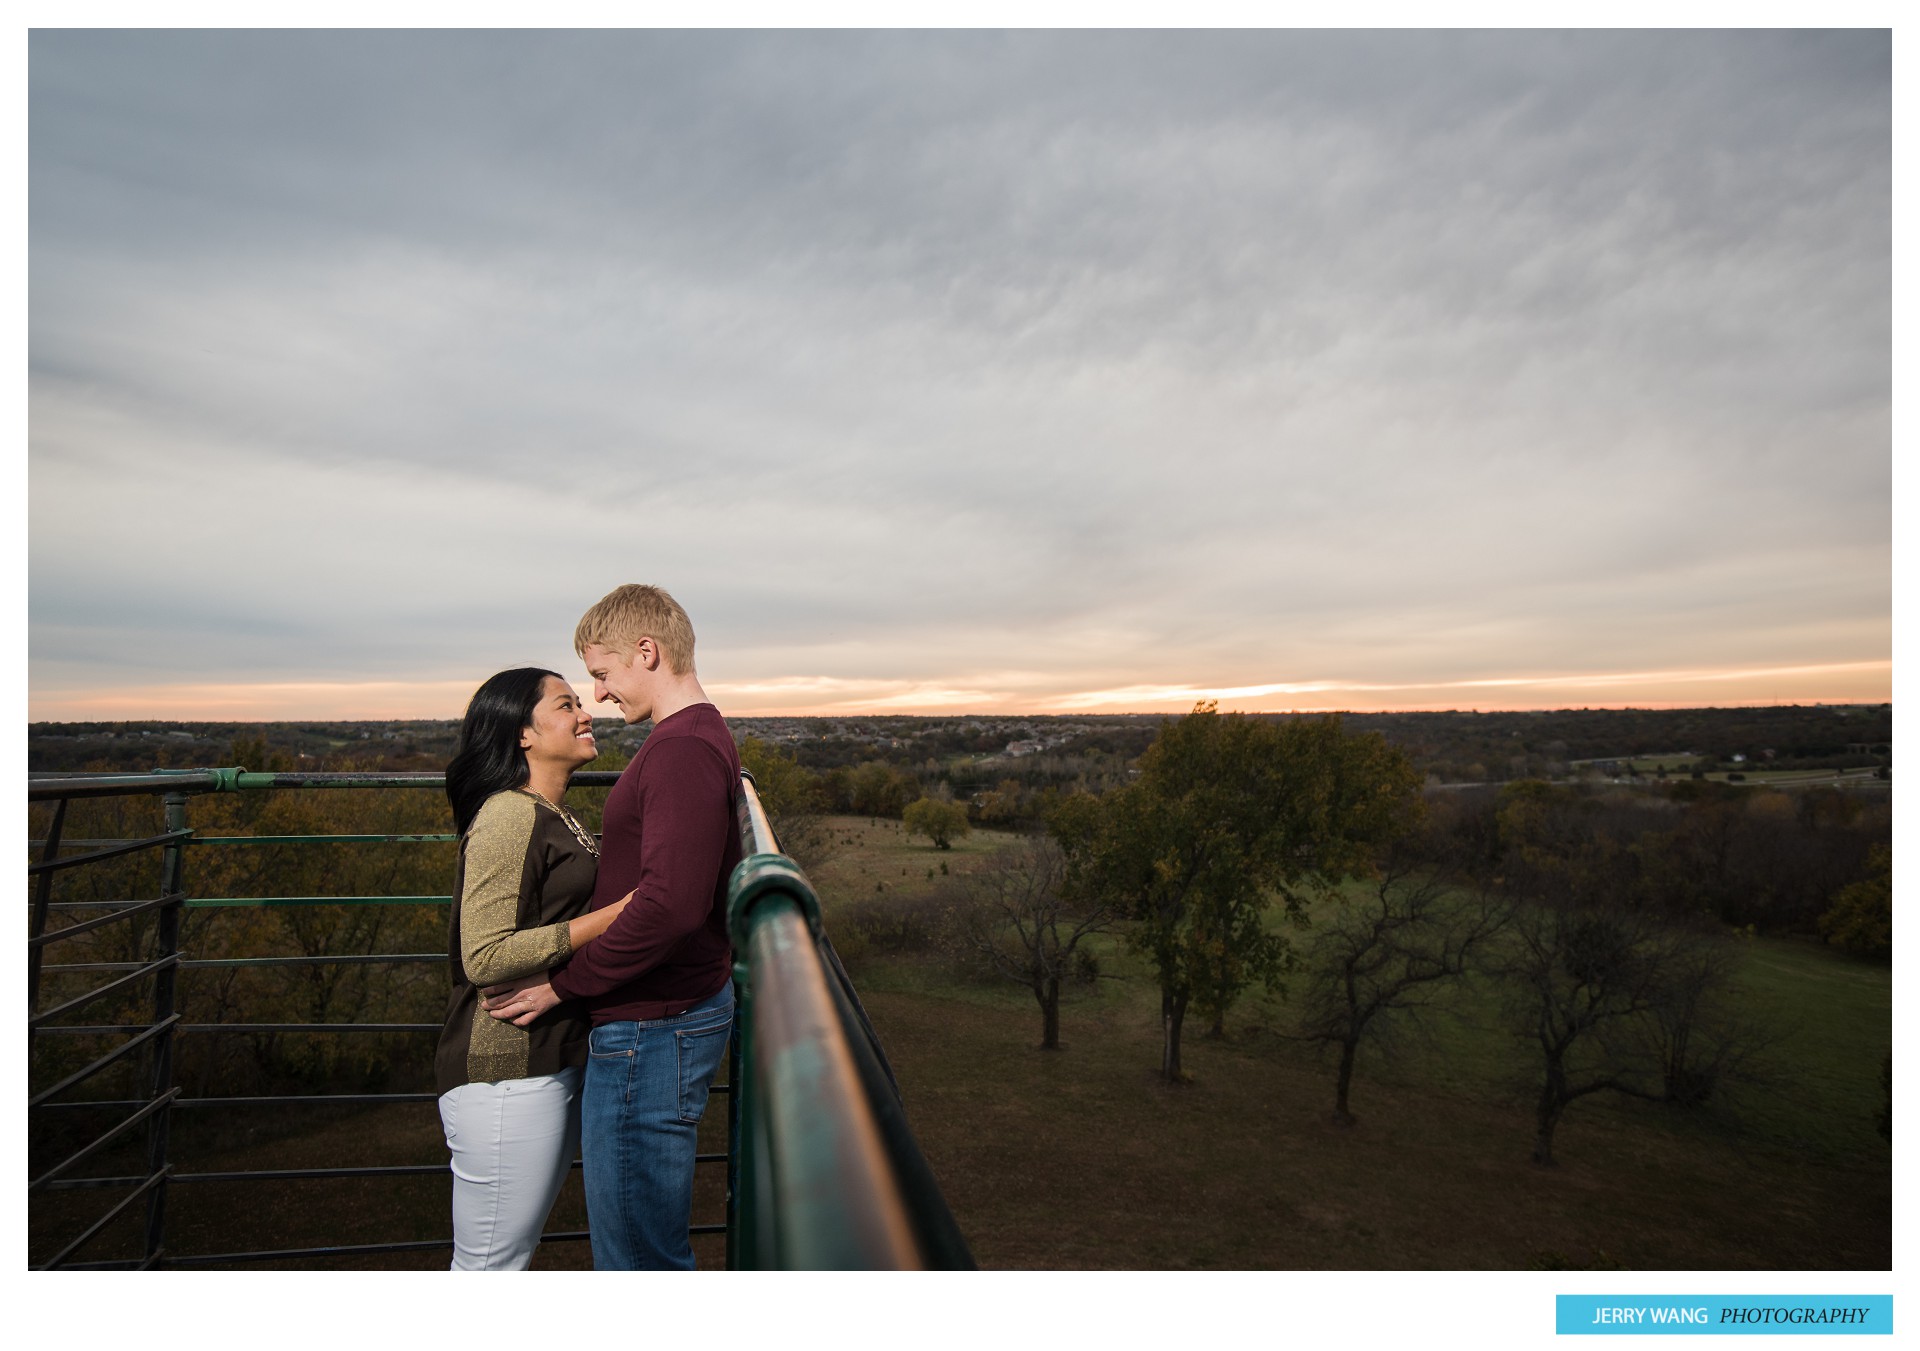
1616, 993
1589, 978
1014, 919
1379, 962
1694, 1032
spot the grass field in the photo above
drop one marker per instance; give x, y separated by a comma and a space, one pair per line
1083, 1158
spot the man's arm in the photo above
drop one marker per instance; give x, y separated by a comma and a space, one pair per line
521, 1001
686, 808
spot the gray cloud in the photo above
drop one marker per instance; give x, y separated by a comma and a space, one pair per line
1181, 357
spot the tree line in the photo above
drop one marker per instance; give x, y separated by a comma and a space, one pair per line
1302, 857
1296, 856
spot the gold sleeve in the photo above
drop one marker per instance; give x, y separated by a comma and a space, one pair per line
492, 949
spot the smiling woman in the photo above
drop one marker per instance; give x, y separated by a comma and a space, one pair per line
509, 1095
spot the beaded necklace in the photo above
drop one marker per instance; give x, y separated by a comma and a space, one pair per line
580, 832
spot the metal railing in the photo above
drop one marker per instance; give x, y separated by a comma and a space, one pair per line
826, 1172
829, 1176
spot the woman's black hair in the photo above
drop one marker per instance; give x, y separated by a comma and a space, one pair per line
488, 757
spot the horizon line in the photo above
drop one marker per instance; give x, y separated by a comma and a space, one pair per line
1013, 694
1644, 706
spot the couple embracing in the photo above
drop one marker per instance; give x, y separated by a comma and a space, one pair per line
592, 984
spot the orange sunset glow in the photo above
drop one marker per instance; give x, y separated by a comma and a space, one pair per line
1865, 682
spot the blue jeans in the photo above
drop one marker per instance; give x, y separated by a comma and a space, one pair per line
640, 1109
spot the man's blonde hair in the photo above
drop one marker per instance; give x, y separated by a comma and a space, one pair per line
626, 614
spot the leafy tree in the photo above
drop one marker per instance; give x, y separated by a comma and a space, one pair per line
1229, 812
876, 788
794, 799
1861, 918
1004, 804
1015, 917
941, 822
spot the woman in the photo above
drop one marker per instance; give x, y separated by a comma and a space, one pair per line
509, 1096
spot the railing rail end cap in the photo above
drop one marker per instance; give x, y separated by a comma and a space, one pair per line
759, 875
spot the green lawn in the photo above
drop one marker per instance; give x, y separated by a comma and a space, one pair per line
1083, 1158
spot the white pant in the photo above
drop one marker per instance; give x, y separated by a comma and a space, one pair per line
512, 1143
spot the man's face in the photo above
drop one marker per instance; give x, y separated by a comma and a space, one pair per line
623, 679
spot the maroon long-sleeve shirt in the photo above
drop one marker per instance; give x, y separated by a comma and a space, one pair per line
670, 836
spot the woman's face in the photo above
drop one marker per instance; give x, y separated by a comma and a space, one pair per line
561, 731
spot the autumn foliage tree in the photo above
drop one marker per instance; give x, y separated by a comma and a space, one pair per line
794, 799
1229, 814
941, 822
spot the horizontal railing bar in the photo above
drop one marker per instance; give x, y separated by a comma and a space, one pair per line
311, 1027
95, 905
131, 847
212, 902
40, 1020
55, 969
75, 842
360, 1249
51, 787
289, 1254
96, 1029
249, 780
91, 1231
368, 1249
48, 789
86, 925
266, 1175
102, 1028
121, 1264
205, 963
190, 964
158, 1104
245, 839
299, 1174
296, 1174
287, 1100
324, 839
309, 1099
82, 1074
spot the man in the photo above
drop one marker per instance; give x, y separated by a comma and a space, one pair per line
658, 983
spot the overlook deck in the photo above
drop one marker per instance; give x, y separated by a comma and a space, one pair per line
821, 1168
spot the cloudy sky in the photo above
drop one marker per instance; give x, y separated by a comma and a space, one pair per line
961, 372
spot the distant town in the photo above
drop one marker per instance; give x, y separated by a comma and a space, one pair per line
1786, 744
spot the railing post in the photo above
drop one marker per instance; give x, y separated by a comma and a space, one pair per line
160, 1082
42, 896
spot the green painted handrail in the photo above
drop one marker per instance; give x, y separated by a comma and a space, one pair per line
827, 1175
